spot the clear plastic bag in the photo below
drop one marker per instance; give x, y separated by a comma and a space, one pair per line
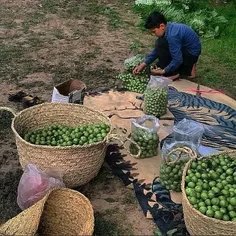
34, 185
177, 151
188, 131
156, 96
174, 157
144, 133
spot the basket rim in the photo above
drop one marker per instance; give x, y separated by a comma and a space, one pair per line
74, 192
59, 147
217, 221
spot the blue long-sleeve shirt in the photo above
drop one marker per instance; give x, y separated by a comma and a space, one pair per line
180, 37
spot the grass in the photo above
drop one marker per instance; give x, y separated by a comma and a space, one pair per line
136, 46
33, 19
217, 63
114, 19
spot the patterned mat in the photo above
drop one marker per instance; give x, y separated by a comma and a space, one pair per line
220, 132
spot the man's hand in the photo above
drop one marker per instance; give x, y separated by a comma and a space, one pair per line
157, 71
139, 68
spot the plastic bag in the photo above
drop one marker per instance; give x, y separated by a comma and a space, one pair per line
34, 184
188, 131
174, 157
156, 96
177, 151
144, 133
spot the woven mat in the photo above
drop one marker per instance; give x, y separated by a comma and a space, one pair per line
159, 204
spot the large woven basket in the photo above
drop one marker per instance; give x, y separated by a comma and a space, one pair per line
78, 164
60, 212
199, 224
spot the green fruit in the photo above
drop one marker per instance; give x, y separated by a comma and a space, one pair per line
218, 215
232, 201
232, 214
203, 209
59, 135
226, 217
147, 142
210, 213
215, 201
133, 83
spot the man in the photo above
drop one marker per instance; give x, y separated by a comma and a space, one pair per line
177, 48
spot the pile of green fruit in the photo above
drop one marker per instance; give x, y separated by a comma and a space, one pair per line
210, 186
133, 83
155, 101
148, 143
132, 62
171, 175
60, 135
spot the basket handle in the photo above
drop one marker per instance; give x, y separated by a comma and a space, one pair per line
8, 109
192, 154
123, 139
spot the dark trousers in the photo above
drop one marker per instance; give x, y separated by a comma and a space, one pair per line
164, 58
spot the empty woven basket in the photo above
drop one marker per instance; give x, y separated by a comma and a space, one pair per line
60, 212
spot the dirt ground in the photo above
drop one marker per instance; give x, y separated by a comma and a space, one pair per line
47, 42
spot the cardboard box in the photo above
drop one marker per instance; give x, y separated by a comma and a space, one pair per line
70, 91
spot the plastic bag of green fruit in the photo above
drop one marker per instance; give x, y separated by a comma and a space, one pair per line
174, 157
156, 96
144, 134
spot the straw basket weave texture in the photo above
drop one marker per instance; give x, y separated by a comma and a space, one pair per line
195, 221
78, 164
60, 212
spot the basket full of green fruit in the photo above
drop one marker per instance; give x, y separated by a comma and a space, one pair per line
71, 137
209, 194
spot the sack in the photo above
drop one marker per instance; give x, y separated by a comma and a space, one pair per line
174, 157
156, 96
144, 133
34, 185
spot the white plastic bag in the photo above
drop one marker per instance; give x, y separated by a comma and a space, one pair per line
144, 133
156, 96
34, 185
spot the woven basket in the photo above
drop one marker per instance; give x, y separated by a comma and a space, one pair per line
78, 164
60, 212
195, 221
